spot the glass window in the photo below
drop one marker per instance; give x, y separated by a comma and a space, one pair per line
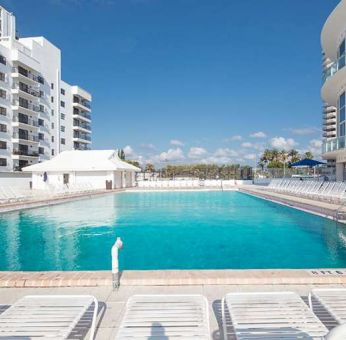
62, 103
62, 116
62, 140
62, 128
342, 48
342, 114
342, 129
342, 100
3, 145
52, 152
62, 91
3, 162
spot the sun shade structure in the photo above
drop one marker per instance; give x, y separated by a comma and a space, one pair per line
307, 162
101, 169
271, 315
165, 317
46, 316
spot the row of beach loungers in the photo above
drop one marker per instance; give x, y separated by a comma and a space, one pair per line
269, 315
11, 194
327, 191
184, 184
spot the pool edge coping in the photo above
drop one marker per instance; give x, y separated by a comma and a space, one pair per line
173, 278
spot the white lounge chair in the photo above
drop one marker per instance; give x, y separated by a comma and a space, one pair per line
275, 315
46, 316
333, 300
165, 317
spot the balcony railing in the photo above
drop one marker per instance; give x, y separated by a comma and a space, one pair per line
82, 136
82, 102
28, 90
28, 106
334, 144
28, 121
31, 138
24, 153
83, 114
28, 75
335, 67
81, 125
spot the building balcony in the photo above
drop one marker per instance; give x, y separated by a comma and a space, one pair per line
26, 108
27, 76
26, 123
333, 145
27, 92
81, 138
82, 104
82, 127
17, 154
332, 86
329, 121
82, 115
24, 138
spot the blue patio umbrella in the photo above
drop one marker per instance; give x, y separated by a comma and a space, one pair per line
307, 162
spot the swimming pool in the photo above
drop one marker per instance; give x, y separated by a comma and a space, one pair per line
170, 230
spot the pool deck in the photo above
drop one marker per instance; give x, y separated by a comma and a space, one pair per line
317, 207
173, 278
112, 303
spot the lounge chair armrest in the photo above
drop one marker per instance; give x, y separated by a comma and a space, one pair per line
337, 333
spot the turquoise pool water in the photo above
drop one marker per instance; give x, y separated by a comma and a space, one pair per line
170, 230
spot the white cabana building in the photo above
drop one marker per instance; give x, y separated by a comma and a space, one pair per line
101, 169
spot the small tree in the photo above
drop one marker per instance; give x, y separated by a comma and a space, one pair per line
121, 154
149, 168
308, 155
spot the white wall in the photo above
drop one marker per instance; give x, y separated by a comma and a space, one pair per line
15, 179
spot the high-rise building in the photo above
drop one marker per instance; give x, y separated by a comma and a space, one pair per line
333, 89
40, 115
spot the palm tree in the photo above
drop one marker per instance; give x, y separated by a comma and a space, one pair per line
308, 155
293, 156
149, 167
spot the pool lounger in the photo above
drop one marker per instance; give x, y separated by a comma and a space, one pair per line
46, 316
333, 300
276, 315
165, 317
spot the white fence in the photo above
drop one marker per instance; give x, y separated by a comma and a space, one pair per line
192, 184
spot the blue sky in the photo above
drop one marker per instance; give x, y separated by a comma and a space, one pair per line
190, 80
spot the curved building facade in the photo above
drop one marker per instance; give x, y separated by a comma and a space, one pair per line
333, 92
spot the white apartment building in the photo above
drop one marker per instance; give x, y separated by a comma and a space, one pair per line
40, 114
333, 89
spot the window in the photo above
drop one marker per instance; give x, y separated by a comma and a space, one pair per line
52, 86
2, 59
52, 112
52, 125
41, 93
52, 139
3, 128
41, 151
62, 103
41, 108
3, 162
52, 152
342, 114
62, 128
63, 141
40, 122
62, 92
62, 115
3, 111
41, 136
2, 93
341, 50
3, 145
2, 76
52, 99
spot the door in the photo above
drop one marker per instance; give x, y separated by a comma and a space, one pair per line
66, 178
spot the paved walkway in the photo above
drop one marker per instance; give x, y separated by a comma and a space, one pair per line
318, 207
112, 303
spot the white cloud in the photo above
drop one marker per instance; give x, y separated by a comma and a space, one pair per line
250, 156
129, 152
247, 145
148, 146
315, 146
304, 131
236, 138
172, 155
259, 134
283, 143
176, 142
197, 152
225, 152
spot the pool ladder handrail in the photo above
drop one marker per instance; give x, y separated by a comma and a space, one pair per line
339, 212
